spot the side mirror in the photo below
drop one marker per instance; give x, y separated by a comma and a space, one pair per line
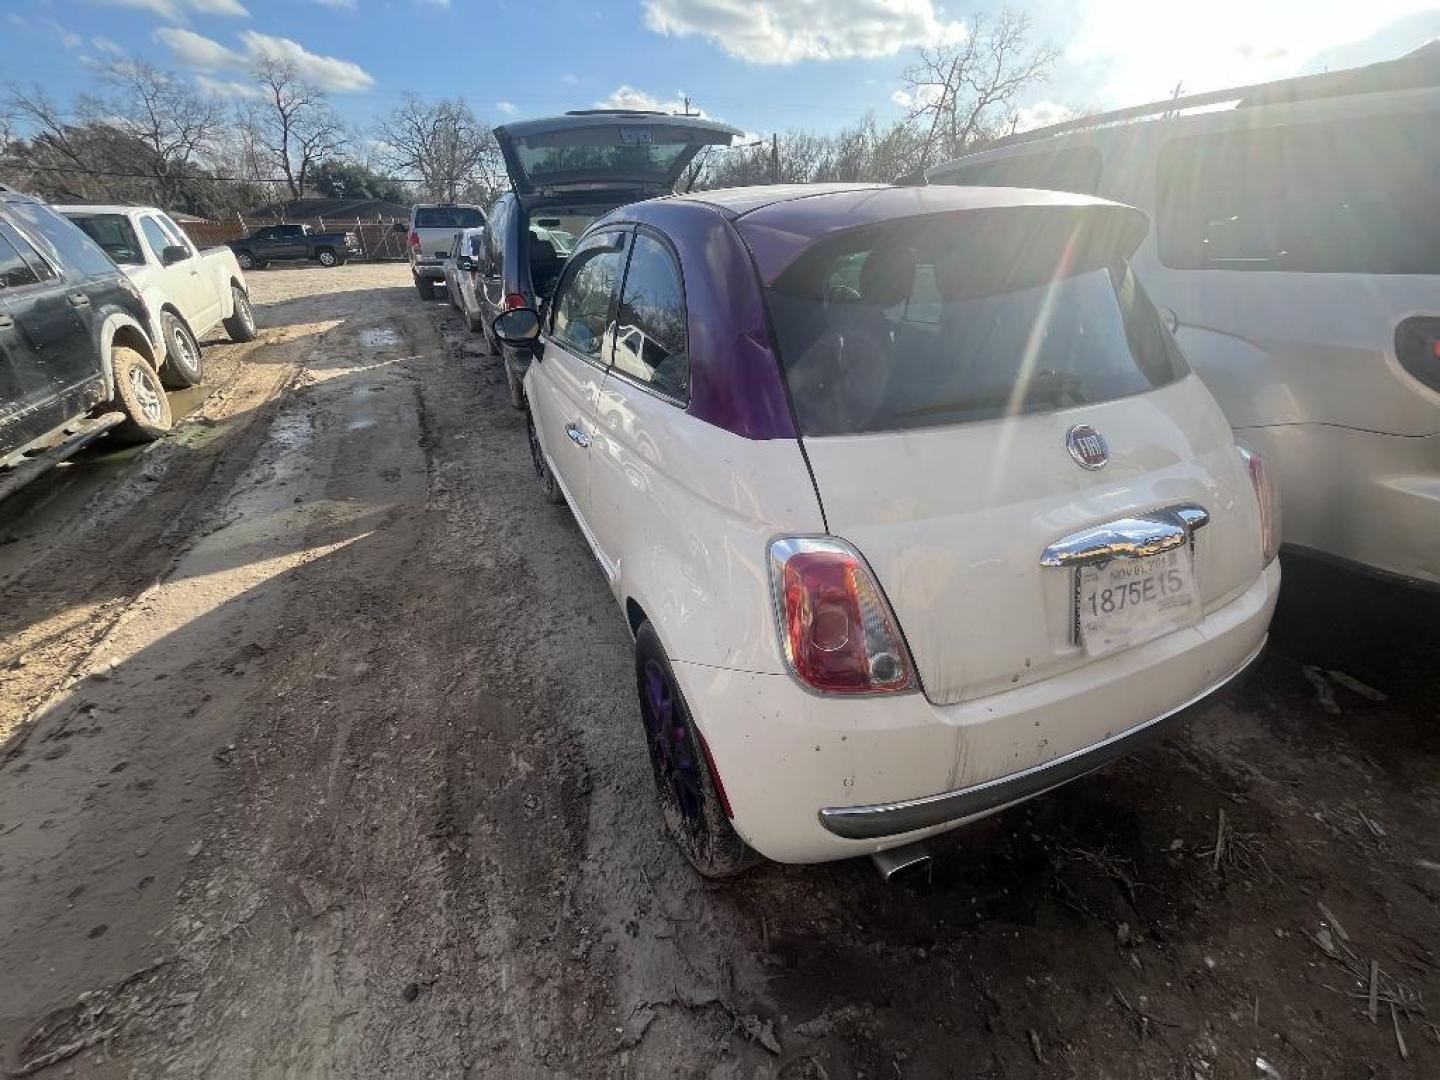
518, 326
1170, 319
173, 254
399, 227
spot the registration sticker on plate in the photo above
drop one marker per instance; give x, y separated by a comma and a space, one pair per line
1129, 601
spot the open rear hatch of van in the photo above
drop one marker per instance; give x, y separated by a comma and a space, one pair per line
604, 155
985, 396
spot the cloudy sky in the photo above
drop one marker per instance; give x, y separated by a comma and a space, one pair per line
760, 64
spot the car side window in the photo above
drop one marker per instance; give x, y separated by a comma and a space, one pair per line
585, 297
155, 238
36, 268
650, 323
176, 234
14, 270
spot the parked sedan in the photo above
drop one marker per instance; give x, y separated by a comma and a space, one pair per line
911, 503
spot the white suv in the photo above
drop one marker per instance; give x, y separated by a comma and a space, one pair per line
909, 498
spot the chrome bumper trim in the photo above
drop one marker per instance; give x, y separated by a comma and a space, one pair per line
893, 819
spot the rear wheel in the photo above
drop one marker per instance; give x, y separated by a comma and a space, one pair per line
140, 396
245, 259
325, 257
183, 367
425, 287
543, 474
689, 800
241, 324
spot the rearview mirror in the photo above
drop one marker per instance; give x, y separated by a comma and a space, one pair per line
518, 326
173, 254
399, 227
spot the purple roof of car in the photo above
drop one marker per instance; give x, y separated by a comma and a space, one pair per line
781, 221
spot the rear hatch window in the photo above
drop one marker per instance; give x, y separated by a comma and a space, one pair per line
448, 217
599, 149
955, 318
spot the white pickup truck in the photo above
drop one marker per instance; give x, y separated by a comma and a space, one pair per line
186, 291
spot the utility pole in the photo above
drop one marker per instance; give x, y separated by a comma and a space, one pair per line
687, 112
774, 158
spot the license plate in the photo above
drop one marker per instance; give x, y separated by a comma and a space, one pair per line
1129, 601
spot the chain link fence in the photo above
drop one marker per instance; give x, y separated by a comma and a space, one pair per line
378, 239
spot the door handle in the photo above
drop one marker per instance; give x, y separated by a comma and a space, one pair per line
6, 322
578, 437
78, 299
1128, 538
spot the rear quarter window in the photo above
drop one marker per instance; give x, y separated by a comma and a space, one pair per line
966, 319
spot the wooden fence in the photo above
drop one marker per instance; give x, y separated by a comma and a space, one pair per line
378, 240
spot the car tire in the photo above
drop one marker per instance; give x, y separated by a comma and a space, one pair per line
183, 367
246, 260
241, 324
514, 387
425, 287
140, 396
548, 484
689, 799
326, 258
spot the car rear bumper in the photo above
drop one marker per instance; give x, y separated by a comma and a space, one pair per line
892, 819
813, 778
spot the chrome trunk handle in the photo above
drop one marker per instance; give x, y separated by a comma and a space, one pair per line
1128, 538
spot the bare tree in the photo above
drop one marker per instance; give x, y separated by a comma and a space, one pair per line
179, 127
965, 92
444, 146
293, 127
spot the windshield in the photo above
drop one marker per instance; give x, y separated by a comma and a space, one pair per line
448, 217
114, 234
948, 323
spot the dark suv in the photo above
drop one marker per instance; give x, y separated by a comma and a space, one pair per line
75, 360
564, 171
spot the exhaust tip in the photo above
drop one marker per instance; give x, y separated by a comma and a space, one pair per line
910, 863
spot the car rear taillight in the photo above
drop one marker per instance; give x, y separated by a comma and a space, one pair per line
836, 627
515, 300
414, 239
1268, 498
1417, 347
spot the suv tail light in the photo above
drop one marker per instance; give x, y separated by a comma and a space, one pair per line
414, 239
1268, 498
515, 300
836, 627
1417, 347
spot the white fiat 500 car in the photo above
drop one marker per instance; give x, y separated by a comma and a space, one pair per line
911, 502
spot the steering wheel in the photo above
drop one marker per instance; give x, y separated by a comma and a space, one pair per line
842, 294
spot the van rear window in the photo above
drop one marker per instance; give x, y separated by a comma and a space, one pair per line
967, 318
448, 217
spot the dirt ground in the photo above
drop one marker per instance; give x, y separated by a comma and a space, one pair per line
319, 757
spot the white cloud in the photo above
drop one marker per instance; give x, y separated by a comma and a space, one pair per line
205, 54
326, 72
923, 95
348, 5
784, 31
1042, 114
1140, 51
443, 4
105, 45
197, 51
69, 39
506, 107
627, 97
176, 10
570, 79
225, 88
